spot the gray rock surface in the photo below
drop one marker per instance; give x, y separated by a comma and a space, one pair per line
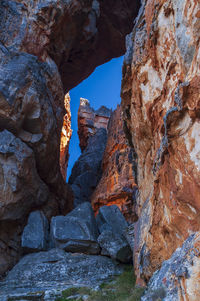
35, 234
17, 169
130, 235
77, 231
115, 246
86, 172
111, 216
44, 275
178, 278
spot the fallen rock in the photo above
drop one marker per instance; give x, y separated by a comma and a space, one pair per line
111, 216
45, 275
115, 246
77, 231
35, 234
178, 279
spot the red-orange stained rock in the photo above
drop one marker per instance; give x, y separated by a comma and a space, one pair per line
65, 138
161, 102
117, 182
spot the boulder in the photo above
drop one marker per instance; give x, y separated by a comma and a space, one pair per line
77, 231
115, 246
111, 216
35, 234
45, 275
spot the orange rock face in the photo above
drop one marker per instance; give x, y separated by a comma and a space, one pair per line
90, 120
117, 184
65, 138
161, 103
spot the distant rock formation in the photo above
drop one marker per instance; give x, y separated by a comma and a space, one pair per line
87, 172
119, 167
90, 120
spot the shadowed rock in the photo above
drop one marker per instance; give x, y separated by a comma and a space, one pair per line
77, 231
111, 216
87, 169
35, 234
115, 246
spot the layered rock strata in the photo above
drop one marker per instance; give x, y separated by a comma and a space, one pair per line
119, 170
161, 97
43, 47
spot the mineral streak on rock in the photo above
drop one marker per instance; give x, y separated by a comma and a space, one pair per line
161, 97
118, 181
89, 120
65, 138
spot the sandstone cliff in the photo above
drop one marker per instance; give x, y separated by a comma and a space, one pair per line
117, 184
160, 93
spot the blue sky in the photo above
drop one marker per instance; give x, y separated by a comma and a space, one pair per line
102, 87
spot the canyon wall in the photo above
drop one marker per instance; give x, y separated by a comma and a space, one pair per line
161, 102
117, 184
46, 48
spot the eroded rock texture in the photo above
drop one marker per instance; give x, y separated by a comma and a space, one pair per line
117, 184
161, 100
178, 278
45, 45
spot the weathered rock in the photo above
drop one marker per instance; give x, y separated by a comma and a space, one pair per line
178, 278
65, 138
17, 170
89, 120
46, 274
77, 231
112, 217
115, 246
119, 169
86, 172
35, 234
44, 46
130, 236
160, 94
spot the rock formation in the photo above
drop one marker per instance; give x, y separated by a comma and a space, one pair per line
87, 171
65, 138
90, 120
45, 46
119, 168
160, 93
